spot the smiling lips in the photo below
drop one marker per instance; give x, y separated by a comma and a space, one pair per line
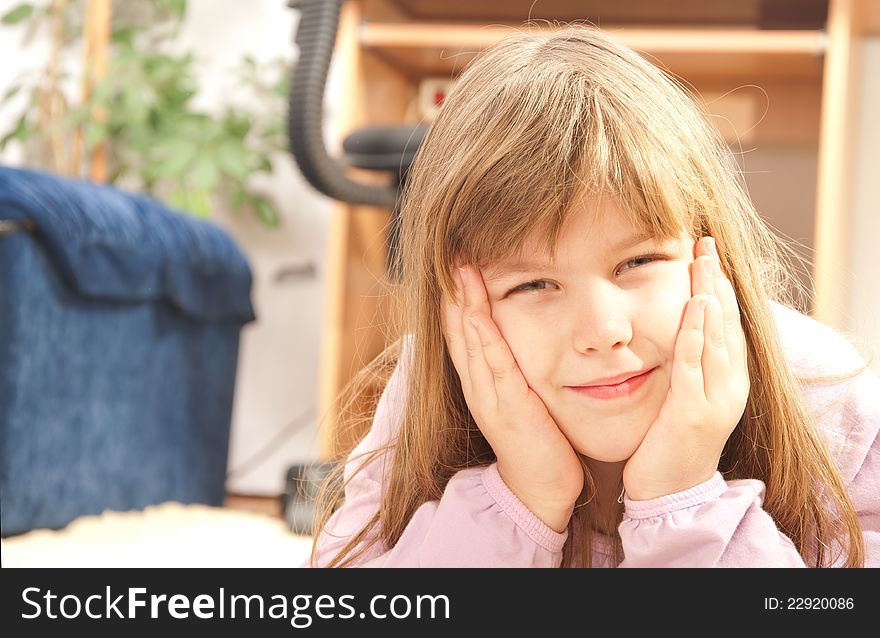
623, 388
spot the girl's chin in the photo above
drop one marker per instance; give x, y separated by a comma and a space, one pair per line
598, 443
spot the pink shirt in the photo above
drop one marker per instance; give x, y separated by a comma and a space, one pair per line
479, 522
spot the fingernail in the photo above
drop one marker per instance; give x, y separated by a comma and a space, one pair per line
710, 246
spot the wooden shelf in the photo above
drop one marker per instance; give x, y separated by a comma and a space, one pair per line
761, 86
443, 48
767, 14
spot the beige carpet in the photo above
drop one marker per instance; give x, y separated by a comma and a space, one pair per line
167, 535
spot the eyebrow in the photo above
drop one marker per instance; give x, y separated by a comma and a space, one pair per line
521, 266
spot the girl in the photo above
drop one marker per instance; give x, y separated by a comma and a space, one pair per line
602, 364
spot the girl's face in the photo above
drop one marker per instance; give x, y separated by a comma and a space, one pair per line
611, 305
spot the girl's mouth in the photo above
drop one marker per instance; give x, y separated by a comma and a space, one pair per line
625, 389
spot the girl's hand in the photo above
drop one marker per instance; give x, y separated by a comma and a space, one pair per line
708, 391
535, 459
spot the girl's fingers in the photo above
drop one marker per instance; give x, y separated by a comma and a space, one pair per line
498, 373
734, 339
733, 332
507, 377
480, 375
687, 365
703, 276
716, 359
453, 329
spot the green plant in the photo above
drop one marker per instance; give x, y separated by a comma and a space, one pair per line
142, 111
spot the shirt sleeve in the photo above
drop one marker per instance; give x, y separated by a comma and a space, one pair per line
722, 523
715, 524
478, 521
860, 459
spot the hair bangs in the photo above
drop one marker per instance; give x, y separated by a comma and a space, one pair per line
658, 189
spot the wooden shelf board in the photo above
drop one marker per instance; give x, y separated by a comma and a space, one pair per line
444, 49
766, 13
714, 40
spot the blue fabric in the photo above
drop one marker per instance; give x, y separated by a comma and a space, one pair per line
113, 245
119, 333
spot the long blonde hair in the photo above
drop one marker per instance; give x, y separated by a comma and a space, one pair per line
533, 124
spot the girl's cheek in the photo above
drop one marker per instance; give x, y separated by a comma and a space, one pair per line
664, 309
524, 337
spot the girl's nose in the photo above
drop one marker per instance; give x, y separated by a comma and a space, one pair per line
601, 324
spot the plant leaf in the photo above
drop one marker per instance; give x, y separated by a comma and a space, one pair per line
266, 164
232, 159
238, 198
18, 14
266, 212
96, 132
178, 7
175, 156
199, 203
124, 35
205, 173
20, 132
10, 93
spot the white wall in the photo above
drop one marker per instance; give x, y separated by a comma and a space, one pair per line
864, 299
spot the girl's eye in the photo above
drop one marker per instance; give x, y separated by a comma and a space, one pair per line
635, 262
538, 284
640, 261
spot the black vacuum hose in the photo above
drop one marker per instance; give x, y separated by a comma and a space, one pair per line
316, 39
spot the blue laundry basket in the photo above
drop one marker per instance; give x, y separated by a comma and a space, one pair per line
119, 333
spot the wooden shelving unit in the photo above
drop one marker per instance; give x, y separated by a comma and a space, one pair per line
439, 47
769, 72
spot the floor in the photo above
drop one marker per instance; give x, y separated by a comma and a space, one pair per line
247, 532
